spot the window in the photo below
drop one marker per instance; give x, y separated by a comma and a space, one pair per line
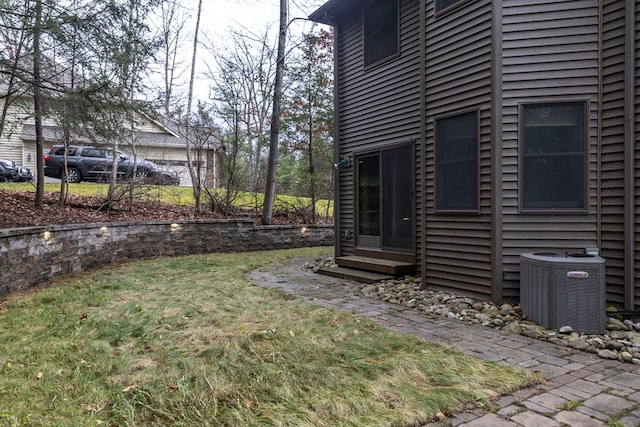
94, 152
59, 151
445, 4
553, 156
380, 31
457, 162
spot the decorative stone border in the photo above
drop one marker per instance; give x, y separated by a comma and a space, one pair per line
34, 255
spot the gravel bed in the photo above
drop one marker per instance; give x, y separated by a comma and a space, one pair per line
621, 340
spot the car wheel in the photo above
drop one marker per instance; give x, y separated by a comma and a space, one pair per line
142, 176
73, 176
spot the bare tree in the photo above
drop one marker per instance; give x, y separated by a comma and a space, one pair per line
172, 36
229, 107
12, 75
195, 182
309, 120
248, 60
270, 191
37, 104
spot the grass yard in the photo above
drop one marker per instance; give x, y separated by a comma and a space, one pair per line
192, 342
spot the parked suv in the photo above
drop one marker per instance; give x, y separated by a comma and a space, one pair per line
88, 163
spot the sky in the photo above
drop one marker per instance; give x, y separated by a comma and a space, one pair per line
220, 17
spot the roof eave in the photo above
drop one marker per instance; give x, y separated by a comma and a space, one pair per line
327, 13
322, 16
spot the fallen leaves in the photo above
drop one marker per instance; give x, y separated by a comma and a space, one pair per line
17, 209
127, 389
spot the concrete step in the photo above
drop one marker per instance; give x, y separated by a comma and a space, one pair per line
377, 265
355, 275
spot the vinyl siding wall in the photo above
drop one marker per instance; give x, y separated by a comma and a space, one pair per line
458, 76
550, 53
12, 147
377, 107
612, 151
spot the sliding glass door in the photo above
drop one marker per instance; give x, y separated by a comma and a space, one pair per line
385, 199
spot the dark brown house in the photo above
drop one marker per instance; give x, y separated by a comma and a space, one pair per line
472, 131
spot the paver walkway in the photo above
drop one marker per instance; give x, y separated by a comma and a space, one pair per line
582, 390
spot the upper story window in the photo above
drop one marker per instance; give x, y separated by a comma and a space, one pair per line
456, 159
381, 34
554, 156
446, 4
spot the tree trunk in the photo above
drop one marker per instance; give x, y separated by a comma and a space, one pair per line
195, 180
37, 106
270, 190
312, 166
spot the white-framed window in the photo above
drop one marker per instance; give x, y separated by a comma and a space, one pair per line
381, 31
456, 160
553, 153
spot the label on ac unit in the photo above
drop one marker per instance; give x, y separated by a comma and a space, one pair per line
577, 274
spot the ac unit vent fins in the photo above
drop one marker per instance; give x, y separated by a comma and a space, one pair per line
558, 289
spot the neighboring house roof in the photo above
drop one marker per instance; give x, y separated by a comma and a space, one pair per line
160, 124
143, 138
55, 75
208, 135
52, 133
49, 133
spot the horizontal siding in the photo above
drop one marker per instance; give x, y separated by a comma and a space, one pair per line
612, 150
550, 53
378, 106
458, 69
11, 147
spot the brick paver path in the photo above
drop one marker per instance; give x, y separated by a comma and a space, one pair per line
582, 390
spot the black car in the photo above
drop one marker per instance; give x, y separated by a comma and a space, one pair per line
164, 177
8, 170
24, 175
88, 163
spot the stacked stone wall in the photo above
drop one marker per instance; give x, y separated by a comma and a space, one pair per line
34, 255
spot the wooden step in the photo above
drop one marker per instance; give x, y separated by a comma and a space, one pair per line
384, 266
355, 275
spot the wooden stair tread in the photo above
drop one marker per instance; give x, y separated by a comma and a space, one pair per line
361, 276
378, 265
370, 260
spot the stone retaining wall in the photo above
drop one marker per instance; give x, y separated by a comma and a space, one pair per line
30, 256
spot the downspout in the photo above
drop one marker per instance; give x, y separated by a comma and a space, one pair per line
629, 152
600, 124
422, 143
497, 292
336, 145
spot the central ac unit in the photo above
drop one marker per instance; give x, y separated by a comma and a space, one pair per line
559, 289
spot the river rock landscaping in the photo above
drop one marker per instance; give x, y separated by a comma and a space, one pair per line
621, 340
